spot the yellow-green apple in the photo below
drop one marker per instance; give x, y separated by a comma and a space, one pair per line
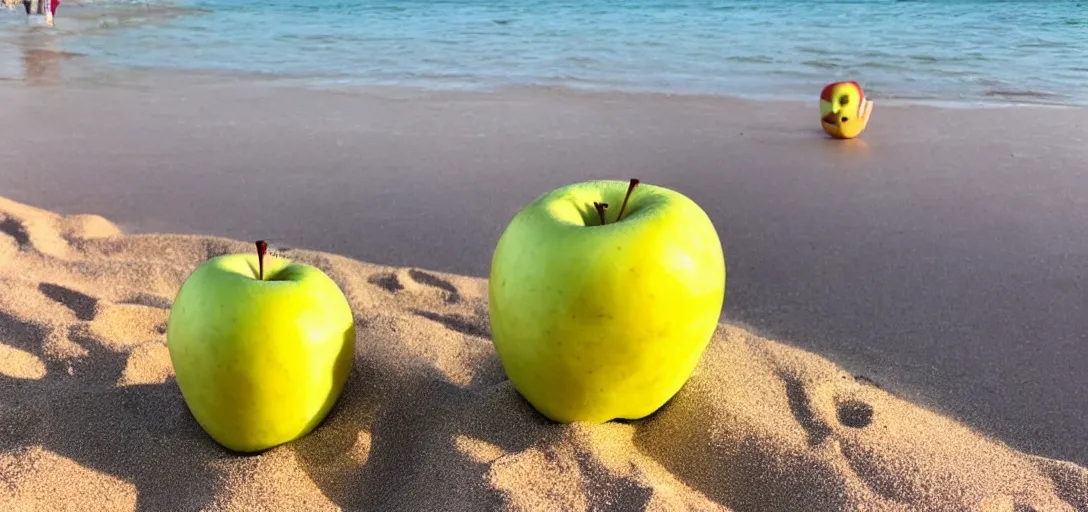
261, 347
597, 316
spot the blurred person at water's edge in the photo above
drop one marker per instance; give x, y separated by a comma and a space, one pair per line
27, 4
53, 10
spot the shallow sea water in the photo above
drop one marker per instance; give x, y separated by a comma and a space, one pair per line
961, 51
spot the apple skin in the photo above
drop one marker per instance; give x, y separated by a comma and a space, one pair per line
259, 363
844, 110
593, 323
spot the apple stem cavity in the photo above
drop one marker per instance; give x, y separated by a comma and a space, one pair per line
262, 249
630, 188
600, 210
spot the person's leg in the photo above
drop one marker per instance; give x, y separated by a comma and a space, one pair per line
26, 4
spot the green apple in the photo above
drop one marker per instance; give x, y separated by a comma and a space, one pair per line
598, 315
261, 348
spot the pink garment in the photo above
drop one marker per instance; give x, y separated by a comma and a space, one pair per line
53, 7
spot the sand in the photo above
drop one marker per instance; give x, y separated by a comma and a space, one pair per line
91, 418
941, 255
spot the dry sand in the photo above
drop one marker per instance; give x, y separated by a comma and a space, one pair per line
91, 419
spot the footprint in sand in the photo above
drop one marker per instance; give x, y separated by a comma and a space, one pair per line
13, 240
81, 304
36, 234
809, 434
387, 281
135, 328
149, 300
47, 233
413, 280
15, 229
454, 295
420, 283
455, 322
855, 414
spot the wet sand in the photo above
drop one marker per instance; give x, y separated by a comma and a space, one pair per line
942, 256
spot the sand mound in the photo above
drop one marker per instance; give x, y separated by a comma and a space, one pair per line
90, 417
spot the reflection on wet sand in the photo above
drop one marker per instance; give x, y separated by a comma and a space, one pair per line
43, 65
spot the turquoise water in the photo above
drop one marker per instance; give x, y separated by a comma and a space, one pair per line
1024, 51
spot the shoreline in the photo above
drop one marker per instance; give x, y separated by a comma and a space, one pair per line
328, 84
100, 65
88, 70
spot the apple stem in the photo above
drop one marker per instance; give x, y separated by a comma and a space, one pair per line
600, 210
262, 249
630, 188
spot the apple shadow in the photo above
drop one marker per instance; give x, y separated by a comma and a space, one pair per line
743, 473
607, 492
403, 437
853, 146
142, 434
785, 437
717, 444
412, 423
